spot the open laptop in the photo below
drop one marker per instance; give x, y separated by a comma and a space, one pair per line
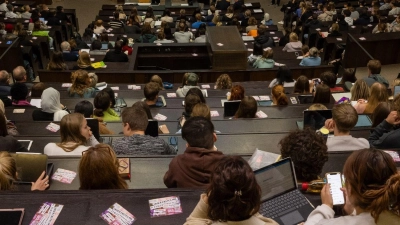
315, 119
104, 46
152, 128
94, 127
280, 198
30, 166
305, 99
230, 108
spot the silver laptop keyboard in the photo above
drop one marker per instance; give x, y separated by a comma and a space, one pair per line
283, 204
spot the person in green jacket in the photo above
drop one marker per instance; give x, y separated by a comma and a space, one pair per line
266, 60
37, 31
102, 103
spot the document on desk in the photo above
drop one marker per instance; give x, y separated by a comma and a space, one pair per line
64, 176
36, 102
117, 214
165, 206
47, 214
257, 11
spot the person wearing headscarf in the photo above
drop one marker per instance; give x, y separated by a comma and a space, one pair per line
52, 109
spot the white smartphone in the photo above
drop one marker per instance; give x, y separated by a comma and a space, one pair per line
335, 180
293, 100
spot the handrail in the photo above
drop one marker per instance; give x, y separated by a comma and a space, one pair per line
359, 45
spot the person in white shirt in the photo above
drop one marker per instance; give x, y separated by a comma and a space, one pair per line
347, 17
395, 9
161, 38
371, 192
344, 118
76, 137
3, 5
167, 16
98, 27
182, 35
10, 13
202, 37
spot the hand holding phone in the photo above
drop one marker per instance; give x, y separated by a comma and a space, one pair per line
334, 180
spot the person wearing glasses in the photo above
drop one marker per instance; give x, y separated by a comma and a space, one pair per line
76, 137
97, 160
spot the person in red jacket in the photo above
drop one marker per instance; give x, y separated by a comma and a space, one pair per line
193, 168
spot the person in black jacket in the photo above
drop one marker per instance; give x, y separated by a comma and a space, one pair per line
343, 25
117, 55
311, 24
61, 15
262, 41
222, 5
386, 135
52, 20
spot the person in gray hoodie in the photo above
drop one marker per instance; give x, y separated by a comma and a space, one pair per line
191, 82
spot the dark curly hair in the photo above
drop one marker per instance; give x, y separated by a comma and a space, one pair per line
308, 152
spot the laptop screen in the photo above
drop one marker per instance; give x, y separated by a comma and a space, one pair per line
104, 46
315, 119
396, 90
230, 108
41, 19
276, 179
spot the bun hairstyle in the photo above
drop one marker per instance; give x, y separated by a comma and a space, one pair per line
374, 182
278, 95
102, 102
237, 93
313, 52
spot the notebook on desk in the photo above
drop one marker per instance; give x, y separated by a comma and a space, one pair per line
280, 198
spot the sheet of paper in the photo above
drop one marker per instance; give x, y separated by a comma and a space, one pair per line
67, 85
116, 215
338, 96
257, 11
214, 113
47, 214
248, 4
160, 117
18, 110
205, 86
171, 95
53, 127
165, 206
261, 114
36, 102
64, 176
157, 23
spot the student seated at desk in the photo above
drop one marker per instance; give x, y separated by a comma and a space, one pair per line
236, 93
395, 25
387, 133
96, 48
278, 96
334, 31
378, 94
81, 85
329, 78
380, 113
344, 118
98, 27
191, 82
52, 20
294, 44
152, 99
182, 34
83, 62
247, 108
39, 31
57, 62
313, 59
8, 142
161, 38
135, 142
19, 93
102, 103
76, 137
322, 94
86, 109
201, 109
8, 175
132, 27
308, 152
147, 35
371, 192
68, 55
302, 86
233, 186
10, 12
266, 60
283, 77
117, 55
97, 160
193, 168
223, 82
51, 108
360, 90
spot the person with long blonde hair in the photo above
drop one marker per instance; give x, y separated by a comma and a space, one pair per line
84, 62
98, 169
360, 90
76, 137
378, 94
